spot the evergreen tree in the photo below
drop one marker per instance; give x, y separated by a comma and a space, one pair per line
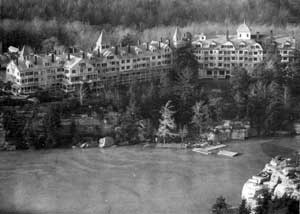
166, 123
183, 132
201, 118
74, 133
84, 92
183, 85
51, 124
240, 83
220, 207
243, 209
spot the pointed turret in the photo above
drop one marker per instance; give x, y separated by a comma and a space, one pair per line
177, 38
102, 42
25, 52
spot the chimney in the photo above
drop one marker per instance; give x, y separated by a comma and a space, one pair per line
161, 39
35, 60
52, 57
257, 36
159, 45
83, 55
227, 35
128, 48
98, 52
147, 48
116, 50
139, 42
169, 42
69, 56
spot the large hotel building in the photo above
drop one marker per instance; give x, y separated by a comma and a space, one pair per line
108, 65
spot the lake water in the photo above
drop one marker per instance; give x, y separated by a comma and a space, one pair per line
129, 180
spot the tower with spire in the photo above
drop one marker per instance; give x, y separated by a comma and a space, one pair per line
102, 42
177, 38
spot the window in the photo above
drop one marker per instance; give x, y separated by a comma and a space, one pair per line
73, 71
208, 73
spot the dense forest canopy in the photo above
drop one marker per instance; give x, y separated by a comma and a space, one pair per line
79, 22
149, 13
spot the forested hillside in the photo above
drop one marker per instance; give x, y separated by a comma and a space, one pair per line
149, 13
79, 22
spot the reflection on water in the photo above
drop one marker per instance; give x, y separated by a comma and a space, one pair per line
126, 180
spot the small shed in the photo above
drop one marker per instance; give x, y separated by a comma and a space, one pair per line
106, 142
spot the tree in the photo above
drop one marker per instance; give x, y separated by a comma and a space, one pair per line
51, 125
166, 123
263, 203
183, 132
184, 59
201, 118
128, 39
30, 137
220, 207
49, 44
243, 209
183, 85
129, 127
74, 133
84, 92
240, 83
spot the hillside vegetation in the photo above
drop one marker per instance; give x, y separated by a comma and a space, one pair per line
149, 13
79, 22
